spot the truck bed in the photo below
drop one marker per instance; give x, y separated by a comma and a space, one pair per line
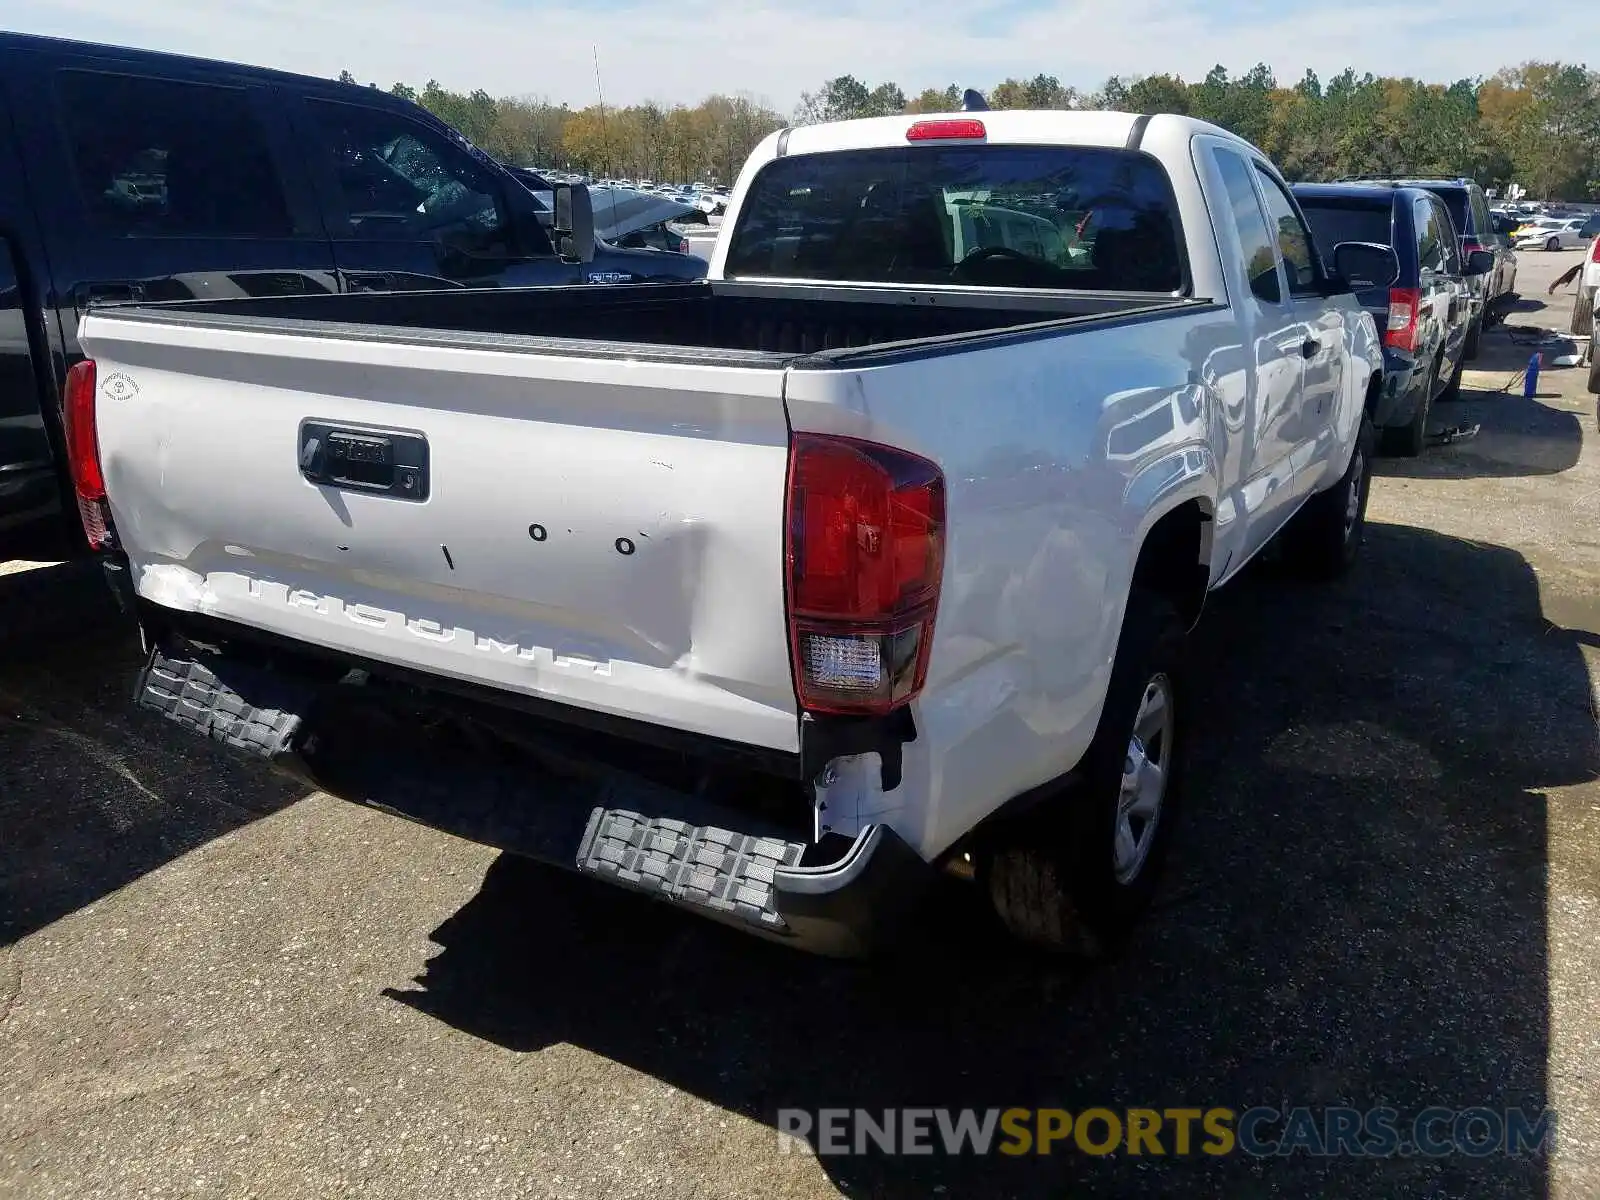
722, 323
577, 495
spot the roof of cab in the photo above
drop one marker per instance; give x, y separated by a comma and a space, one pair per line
1078, 127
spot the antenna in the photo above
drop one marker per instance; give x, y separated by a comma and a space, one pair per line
605, 142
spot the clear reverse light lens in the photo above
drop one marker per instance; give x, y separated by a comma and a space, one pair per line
843, 664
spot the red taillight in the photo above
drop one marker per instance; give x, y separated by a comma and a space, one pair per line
1594, 250
865, 547
953, 128
1404, 308
83, 453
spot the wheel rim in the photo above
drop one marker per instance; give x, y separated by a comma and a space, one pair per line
1144, 781
1352, 502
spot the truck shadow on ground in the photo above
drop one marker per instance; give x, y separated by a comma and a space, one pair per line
1354, 915
94, 794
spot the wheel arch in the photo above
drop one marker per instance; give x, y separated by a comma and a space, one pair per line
1174, 559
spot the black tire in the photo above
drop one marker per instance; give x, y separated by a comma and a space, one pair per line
1594, 374
1583, 313
1469, 349
1323, 542
1053, 879
1553, 244
1408, 440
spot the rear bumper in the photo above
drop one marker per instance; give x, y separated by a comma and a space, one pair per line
541, 794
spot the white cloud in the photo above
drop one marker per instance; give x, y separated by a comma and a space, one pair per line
776, 48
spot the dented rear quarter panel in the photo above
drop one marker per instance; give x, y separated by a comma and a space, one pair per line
1059, 453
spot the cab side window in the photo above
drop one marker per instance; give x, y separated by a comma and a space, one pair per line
166, 157
1294, 239
401, 181
1255, 240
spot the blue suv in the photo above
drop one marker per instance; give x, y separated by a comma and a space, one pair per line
1424, 313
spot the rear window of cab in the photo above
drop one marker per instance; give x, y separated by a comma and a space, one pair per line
1069, 217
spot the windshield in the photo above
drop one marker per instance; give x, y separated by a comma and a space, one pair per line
989, 216
1333, 222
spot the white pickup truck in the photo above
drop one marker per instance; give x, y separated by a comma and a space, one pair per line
787, 589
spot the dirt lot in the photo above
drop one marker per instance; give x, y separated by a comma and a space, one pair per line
1386, 893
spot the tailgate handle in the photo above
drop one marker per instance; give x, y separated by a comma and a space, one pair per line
386, 462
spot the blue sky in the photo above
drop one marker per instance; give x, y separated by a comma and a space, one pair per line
776, 48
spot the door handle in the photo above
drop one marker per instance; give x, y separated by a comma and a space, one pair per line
1309, 348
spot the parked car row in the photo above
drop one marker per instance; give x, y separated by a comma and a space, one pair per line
626, 219
706, 198
1454, 276
1423, 314
1552, 233
867, 558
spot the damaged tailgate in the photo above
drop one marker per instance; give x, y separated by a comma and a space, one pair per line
586, 530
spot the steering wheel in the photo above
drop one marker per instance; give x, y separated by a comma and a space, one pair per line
983, 253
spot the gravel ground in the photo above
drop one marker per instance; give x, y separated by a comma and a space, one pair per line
1384, 893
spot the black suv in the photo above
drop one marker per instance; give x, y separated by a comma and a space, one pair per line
1469, 212
1424, 313
127, 175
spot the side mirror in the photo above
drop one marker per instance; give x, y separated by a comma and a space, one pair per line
573, 226
1480, 262
1365, 265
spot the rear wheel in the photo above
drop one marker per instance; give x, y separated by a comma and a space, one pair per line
1324, 538
1074, 877
1594, 375
1553, 244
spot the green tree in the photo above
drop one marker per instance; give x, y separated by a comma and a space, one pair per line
1537, 123
840, 99
1159, 94
1113, 95
886, 100
934, 100
1556, 137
